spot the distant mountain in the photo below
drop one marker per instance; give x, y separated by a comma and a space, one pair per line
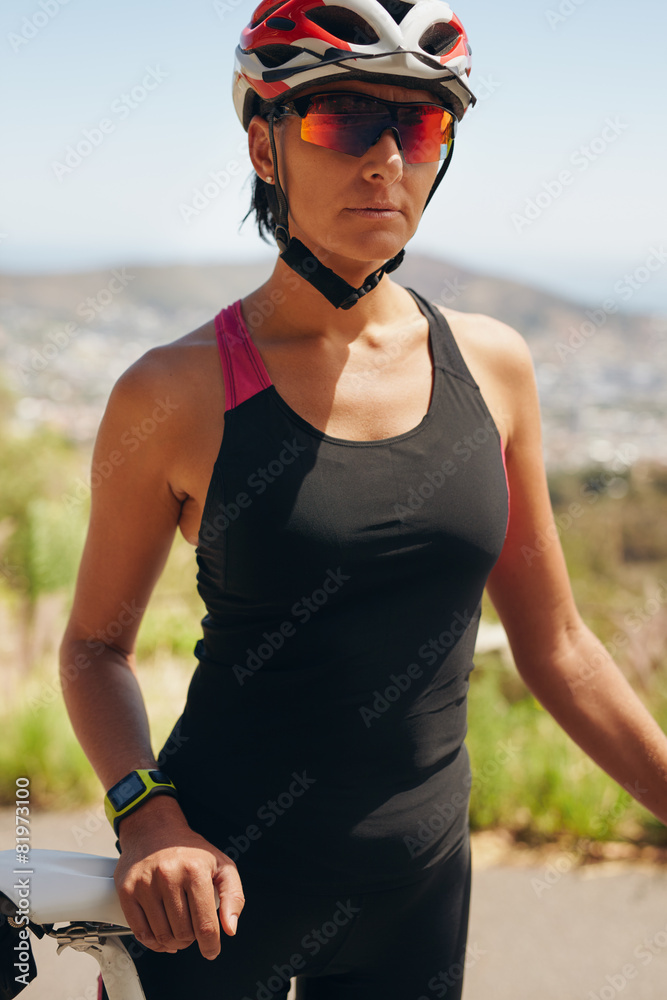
602, 373
203, 290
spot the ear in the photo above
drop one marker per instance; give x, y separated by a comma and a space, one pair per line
259, 147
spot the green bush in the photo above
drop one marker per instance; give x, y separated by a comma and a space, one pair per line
530, 777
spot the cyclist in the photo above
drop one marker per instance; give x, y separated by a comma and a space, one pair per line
347, 517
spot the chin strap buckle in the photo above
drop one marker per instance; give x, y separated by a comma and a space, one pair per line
395, 262
372, 281
282, 237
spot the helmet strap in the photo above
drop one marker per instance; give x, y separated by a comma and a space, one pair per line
303, 261
441, 174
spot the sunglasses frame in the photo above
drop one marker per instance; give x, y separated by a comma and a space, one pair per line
300, 106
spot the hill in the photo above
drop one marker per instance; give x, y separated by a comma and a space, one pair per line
602, 373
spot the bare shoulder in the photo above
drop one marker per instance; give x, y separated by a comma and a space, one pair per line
487, 339
500, 361
165, 415
181, 367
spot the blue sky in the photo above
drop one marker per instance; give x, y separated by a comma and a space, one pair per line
565, 85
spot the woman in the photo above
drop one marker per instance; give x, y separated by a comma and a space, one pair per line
347, 519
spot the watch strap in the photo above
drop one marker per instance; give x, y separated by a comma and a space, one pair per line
132, 791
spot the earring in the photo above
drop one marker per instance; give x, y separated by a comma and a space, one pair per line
269, 180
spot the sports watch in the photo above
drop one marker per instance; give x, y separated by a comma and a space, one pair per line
132, 791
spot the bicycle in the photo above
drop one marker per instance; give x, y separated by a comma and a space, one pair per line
78, 892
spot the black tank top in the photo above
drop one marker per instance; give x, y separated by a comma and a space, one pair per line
321, 745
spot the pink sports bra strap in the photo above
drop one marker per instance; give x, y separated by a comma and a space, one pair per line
242, 365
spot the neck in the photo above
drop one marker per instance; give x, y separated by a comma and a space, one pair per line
290, 306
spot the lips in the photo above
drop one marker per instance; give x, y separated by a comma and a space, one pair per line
376, 211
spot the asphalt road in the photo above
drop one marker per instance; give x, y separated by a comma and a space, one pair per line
548, 931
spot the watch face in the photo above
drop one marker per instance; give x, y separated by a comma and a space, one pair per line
126, 791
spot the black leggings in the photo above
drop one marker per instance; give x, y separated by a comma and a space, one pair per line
395, 944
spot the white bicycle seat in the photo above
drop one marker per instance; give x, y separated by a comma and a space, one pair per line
63, 886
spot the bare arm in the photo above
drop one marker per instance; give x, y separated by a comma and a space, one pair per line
568, 670
167, 873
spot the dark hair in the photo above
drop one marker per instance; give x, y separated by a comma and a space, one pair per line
264, 205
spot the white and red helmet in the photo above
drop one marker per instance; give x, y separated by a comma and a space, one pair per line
291, 44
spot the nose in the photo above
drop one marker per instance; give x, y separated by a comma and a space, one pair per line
383, 159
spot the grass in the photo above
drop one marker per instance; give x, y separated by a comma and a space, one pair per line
541, 786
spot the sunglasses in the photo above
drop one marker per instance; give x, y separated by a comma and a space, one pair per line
352, 123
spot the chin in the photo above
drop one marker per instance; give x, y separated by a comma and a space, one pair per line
368, 249
375, 241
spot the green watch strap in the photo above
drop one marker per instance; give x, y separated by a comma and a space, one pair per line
130, 793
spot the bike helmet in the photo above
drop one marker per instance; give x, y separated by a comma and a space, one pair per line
290, 45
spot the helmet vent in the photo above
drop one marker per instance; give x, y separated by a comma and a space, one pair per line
397, 8
343, 24
275, 55
264, 11
439, 38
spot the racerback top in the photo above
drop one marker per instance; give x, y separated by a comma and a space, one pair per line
321, 745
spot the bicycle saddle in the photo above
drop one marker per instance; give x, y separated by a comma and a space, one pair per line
62, 886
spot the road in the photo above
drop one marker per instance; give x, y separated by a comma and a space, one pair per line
540, 929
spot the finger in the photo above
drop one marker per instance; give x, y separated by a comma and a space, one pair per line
232, 900
139, 924
177, 911
158, 924
204, 916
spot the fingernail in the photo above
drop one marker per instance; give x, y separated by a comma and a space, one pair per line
233, 922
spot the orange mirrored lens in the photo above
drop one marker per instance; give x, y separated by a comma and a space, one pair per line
352, 123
